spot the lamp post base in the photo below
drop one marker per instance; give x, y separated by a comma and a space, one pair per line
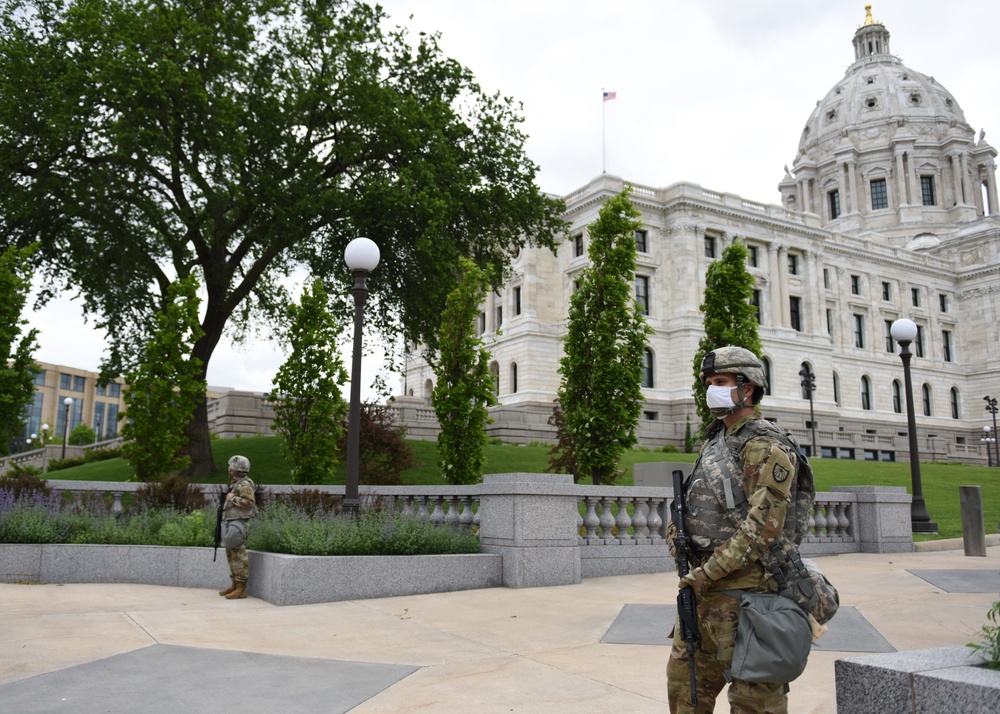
923, 526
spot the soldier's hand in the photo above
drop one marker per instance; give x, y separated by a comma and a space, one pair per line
671, 534
697, 580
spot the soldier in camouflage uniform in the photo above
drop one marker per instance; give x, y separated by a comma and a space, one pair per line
241, 504
740, 443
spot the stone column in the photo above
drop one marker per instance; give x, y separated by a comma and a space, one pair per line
815, 295
786, 310
900, 181
531, 520
956, 179
990, 169
911, 177
882, 518
775, 284
966, 187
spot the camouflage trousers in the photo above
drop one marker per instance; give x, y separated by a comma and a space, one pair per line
718, 617
239, 564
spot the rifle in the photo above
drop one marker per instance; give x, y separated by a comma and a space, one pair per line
218, 521
687, 607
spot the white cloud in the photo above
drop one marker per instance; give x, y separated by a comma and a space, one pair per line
712, 92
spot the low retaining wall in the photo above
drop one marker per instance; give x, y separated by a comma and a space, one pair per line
277, 578
943, 679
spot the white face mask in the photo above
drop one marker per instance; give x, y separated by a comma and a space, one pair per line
719, 397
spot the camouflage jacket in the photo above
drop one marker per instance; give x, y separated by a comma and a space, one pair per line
243, 504
729, 555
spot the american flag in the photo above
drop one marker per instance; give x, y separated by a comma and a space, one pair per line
608, 96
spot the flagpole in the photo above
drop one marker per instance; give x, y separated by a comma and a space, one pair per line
604, 147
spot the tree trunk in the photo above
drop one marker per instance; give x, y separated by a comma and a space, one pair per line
199, 443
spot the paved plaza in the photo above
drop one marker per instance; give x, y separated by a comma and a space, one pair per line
598, 646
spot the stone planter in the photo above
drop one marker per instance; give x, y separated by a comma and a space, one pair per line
944, 679
275, 577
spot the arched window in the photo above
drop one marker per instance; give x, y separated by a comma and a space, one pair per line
897, 396
647, 368
428, 391
926, 391
807, 380
767, 373
513, 378
866, 393
954, 403
495, 373
836, 389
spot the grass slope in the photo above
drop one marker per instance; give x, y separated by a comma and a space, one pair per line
940, 481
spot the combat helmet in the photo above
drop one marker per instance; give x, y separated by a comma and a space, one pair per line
239, 463
734, 360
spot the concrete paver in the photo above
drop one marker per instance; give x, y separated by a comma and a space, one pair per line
494, 650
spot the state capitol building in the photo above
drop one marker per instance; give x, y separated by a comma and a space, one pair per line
888, 210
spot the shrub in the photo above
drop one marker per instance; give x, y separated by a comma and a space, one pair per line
173, 491
88, 456
81, 435
383, 453
24, 482
990, 646
310, 501
670, 449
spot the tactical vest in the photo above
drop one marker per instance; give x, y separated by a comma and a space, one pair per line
716, 501
232, 512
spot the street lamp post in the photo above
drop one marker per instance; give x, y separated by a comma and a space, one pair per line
904, 331
987, 440
361, 256
45, 433
809, 386
68, 401
991, 407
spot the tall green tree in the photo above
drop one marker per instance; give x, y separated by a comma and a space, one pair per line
464, 389
145, 142
17, 367
309, 410
164, 387
730, 318
600, 393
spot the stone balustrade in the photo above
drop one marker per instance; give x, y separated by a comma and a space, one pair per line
552, 531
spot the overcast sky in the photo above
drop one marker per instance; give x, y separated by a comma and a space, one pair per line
715, 92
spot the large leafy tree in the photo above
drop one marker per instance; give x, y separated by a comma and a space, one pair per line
17, 367
600, 393
309, 409
464, 389
145, 141
164, 387
730, 318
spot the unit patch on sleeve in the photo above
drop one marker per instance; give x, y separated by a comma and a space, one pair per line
780, 473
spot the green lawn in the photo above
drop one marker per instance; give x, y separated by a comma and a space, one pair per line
940, 481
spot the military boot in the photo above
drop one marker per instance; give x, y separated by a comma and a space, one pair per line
240, 591
228, 590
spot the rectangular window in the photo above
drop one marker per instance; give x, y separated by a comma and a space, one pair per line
75, 414
40, 378
111, 425
517, 300
855, 285
915, 296
834, 204
859, 330
578, 245
890, 344
114, 390
795, 312
826, 278
880, 198
918, 343
709, 246
101, 390
642, 293
927, 190
752, 256
829, 322
482, 323
651, 416
33, 427
78, 383
943, 302
755, 301
886, 290
946, 345
99, 418
499, 318
793, 264
641, 244
65, 380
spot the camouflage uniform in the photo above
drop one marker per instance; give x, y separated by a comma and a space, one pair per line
242, 506
769, 468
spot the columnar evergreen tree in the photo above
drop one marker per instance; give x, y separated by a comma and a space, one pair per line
309, 409
164, 388
17, 367
600, 392
730, 318
464, 389
142, 142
